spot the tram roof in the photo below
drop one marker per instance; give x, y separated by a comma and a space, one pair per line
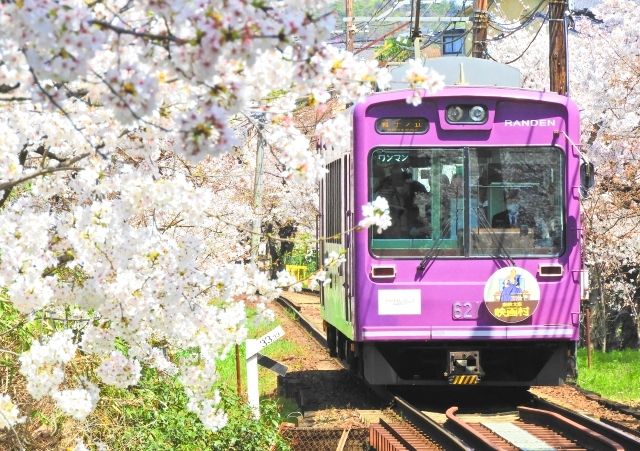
514, 93
461, 71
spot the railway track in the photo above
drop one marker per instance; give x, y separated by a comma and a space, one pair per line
628, 438
541, 425
528, 429
412, 431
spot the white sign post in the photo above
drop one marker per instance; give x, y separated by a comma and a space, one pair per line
253, 347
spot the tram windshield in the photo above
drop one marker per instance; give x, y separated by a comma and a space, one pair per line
469, 202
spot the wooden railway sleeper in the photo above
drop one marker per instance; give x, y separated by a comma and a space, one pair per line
398, 436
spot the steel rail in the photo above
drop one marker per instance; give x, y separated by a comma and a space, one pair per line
609, 404
469, 434
624, 428
618, 435
550, 427
417, 419
614, 438
570, 429
426, 425
315, 333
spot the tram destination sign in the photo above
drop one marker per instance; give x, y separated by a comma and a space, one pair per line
397, 125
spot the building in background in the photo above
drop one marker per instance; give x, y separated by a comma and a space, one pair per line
382, 29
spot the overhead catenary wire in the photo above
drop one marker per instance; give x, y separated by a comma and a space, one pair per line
524, 18
506, 29
437, 36
377, 18
377, 12
528, 45
376, 21
525, 21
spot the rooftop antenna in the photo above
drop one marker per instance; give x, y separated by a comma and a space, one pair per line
461, 80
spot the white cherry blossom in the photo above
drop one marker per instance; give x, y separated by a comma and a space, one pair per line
376, 213
127, 154
9, 413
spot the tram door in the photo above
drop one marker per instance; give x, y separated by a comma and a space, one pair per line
337, 308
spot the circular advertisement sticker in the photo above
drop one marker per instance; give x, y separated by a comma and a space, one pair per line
511, 294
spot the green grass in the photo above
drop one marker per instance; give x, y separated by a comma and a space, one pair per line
153, 416
278, 350
614, 375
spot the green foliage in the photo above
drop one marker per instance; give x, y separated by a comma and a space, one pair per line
153, 416
395, 49
18, 331
278, 350
245, 433
614, 375
304, 253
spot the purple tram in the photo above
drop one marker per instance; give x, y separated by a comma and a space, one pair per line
479, 279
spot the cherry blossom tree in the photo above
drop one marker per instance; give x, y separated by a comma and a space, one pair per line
127, 138
604, 76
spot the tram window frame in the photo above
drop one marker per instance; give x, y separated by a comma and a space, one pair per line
334, 202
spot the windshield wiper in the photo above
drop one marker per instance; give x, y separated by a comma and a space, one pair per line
435, 247
484, 222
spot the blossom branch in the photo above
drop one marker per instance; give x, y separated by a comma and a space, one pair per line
8, 423
67, 167
64, 112
15, 99
140, 34
8, 88
126, 104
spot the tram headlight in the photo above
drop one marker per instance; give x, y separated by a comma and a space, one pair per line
454, 113
478, 113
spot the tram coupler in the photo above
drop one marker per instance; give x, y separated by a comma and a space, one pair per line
464, 368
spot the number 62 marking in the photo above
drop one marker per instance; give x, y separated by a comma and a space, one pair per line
465, 310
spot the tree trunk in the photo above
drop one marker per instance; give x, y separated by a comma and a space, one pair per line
599, 332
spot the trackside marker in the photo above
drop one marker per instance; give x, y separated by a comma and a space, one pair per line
254, 346
270, 364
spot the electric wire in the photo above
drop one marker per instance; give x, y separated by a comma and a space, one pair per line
525, 21
525, 17
374, 20
436, 37
527, 47
377, 21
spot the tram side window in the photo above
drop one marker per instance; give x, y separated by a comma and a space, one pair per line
334, 202
409, 202
520, 199
425, 191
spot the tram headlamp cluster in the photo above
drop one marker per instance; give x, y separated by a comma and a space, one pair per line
478, 113
455, 113
466, 114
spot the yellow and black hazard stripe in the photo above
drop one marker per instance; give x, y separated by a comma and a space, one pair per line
468, 379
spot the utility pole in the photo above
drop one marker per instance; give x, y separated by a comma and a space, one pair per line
349, 31
415, 10
558, 47
257, 194
480, 23
415, 32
